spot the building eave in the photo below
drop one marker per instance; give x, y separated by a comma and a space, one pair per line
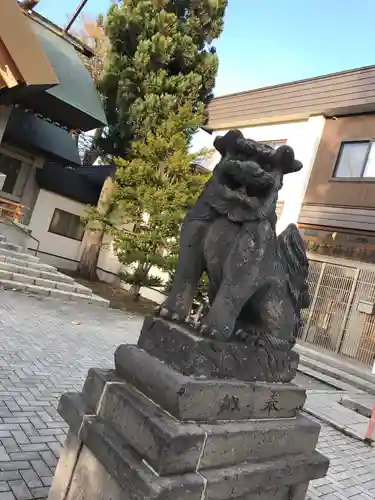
42, 71
343, 93
20, 53
77, 44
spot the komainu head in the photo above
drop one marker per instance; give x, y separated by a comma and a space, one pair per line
234, 146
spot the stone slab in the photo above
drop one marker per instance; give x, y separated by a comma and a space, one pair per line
298, 491
89, 480
295, 492
341, 418
74, 411
80, 475
94, 386
242, 480
65, 468
180, 348
256, 441
362, 404
139, 480
171, 446
269, 494
201, 399
359, 431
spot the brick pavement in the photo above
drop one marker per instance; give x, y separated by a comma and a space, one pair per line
352, 469
47, 348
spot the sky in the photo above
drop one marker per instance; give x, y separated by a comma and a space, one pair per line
266, 42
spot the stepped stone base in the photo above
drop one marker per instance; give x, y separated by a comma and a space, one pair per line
145, 431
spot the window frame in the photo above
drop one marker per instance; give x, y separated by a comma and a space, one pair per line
5, 194
26, 160
51, 231
366, 157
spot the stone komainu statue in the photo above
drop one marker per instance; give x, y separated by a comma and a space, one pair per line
257, 280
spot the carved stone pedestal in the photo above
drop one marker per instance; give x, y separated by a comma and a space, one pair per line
150, 431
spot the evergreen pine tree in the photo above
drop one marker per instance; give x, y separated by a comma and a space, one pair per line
160, 75
161, 52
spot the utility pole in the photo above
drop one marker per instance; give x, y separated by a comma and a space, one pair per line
75, 15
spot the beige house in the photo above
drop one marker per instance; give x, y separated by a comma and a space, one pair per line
330, 123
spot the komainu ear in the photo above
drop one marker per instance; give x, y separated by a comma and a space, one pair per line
228, 143
285, 158
219, 144
296, 167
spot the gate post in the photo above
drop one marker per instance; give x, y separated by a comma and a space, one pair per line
347, 311
313, 302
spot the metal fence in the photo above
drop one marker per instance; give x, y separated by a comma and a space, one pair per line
333, 321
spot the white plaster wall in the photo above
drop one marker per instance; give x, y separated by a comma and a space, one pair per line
303, 137
65, 253
107, 258
65, 249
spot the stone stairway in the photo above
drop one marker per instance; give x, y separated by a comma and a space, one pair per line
22, 272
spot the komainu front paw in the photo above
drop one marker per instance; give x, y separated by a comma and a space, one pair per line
165, 313
161, 311
241, 335
212, 333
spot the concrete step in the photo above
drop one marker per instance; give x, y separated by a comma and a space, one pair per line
362, 404
331, 382
53, 275
336, 373
336, 361
4, 245
53, 293
35, 273
18, 255
44, 283
328, 408
25, 263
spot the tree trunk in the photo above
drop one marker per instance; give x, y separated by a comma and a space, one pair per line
142, 269
92, 240
135, 291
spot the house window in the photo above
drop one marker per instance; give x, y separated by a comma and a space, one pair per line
67, 225
356, 160
11, 167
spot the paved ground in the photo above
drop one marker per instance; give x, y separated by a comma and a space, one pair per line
46, 348
328, 409
352, 470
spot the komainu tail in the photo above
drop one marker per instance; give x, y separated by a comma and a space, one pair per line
293, 255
